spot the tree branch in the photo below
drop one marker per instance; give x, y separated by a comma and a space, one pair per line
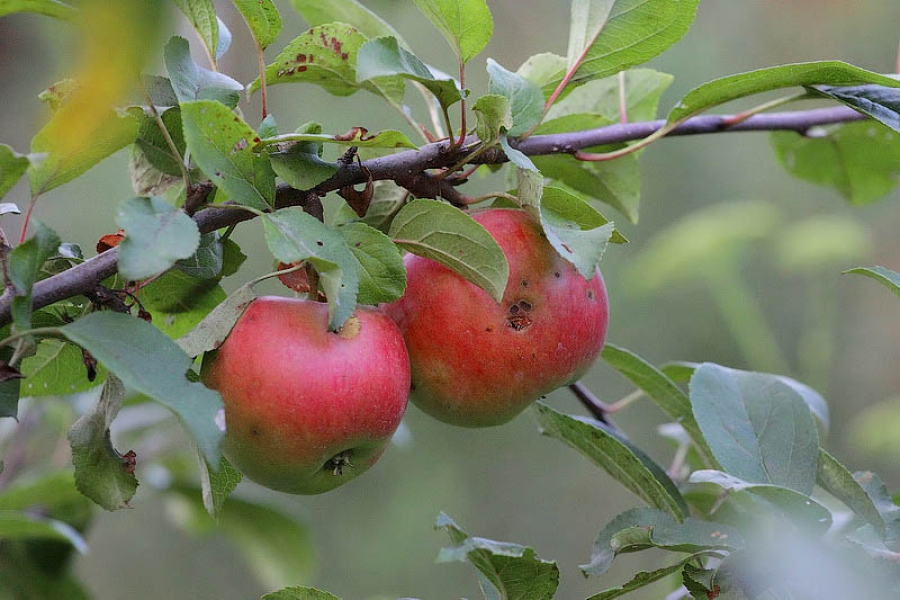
410, 167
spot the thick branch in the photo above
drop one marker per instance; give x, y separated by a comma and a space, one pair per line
409, 167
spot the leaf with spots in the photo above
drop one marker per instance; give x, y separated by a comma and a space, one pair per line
101, 473
58, 369
325, 55
575, 229
510, 571
356, 136
449, 236
157, 235
294, 236
221, 144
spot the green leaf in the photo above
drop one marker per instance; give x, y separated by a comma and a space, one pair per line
545, 70
151, 364
605, 551
192, 82
514, 572
100, 471
48, 8
221, 143
576, 231
364, 20
516, 157
643, 89
12, 167
494, 116
828, 72
858, 160
526, 101
217, 484
277, 548
201, 14
452, 238
758, 426
156, 236
879, 102
837, 480
54, 492
153, 146
356, 136
15, 525
207, 261
292, 236
662, 390
301, 164
645, 578
387, 200
325, 55
263, 19
178, 302
884, 504
886, 277
467, 24
382, 276
384, 57
25, 262
799, 508
624, 462
608, 36
616, 183
209, 333
66, 155
296, 592
57, 369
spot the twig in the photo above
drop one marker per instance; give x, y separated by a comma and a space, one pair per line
594, 405
408, 168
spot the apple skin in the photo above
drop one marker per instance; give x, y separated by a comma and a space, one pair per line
476, 363
307, 409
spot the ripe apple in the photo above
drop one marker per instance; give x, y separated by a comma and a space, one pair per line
307, 409
476, 363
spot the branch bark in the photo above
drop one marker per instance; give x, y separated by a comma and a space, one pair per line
411, 167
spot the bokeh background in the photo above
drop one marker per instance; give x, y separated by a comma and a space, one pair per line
374, 538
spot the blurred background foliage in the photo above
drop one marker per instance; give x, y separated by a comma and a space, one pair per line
769, 295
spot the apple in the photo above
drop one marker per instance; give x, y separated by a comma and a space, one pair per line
308, 409
476, 363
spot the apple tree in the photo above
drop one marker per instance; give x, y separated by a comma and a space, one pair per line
404, 283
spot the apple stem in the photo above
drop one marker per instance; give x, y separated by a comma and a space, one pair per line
595, 406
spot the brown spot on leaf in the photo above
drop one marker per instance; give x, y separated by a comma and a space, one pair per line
129, 462
110, 240
301, 58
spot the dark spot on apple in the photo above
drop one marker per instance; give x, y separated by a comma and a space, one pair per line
337, 462
590, 294
525, 306
254, 431
524, 283
514, 309
557, 275
519, 322
489, 329
320, 243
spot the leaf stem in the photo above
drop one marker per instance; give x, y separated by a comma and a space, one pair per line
760, 108
592, 403
462, 103
185, 175
52, 332
263, 94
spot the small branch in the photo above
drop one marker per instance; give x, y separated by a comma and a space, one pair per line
597, 408
408, 168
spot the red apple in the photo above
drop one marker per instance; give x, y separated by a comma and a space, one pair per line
476, 363
307, 409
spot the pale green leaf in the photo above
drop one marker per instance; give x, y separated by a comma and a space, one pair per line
526, 102
382, 276
12, 167
201, 14
23, 267
886, 277
156, 236
48, 8
192, 82
263, 19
